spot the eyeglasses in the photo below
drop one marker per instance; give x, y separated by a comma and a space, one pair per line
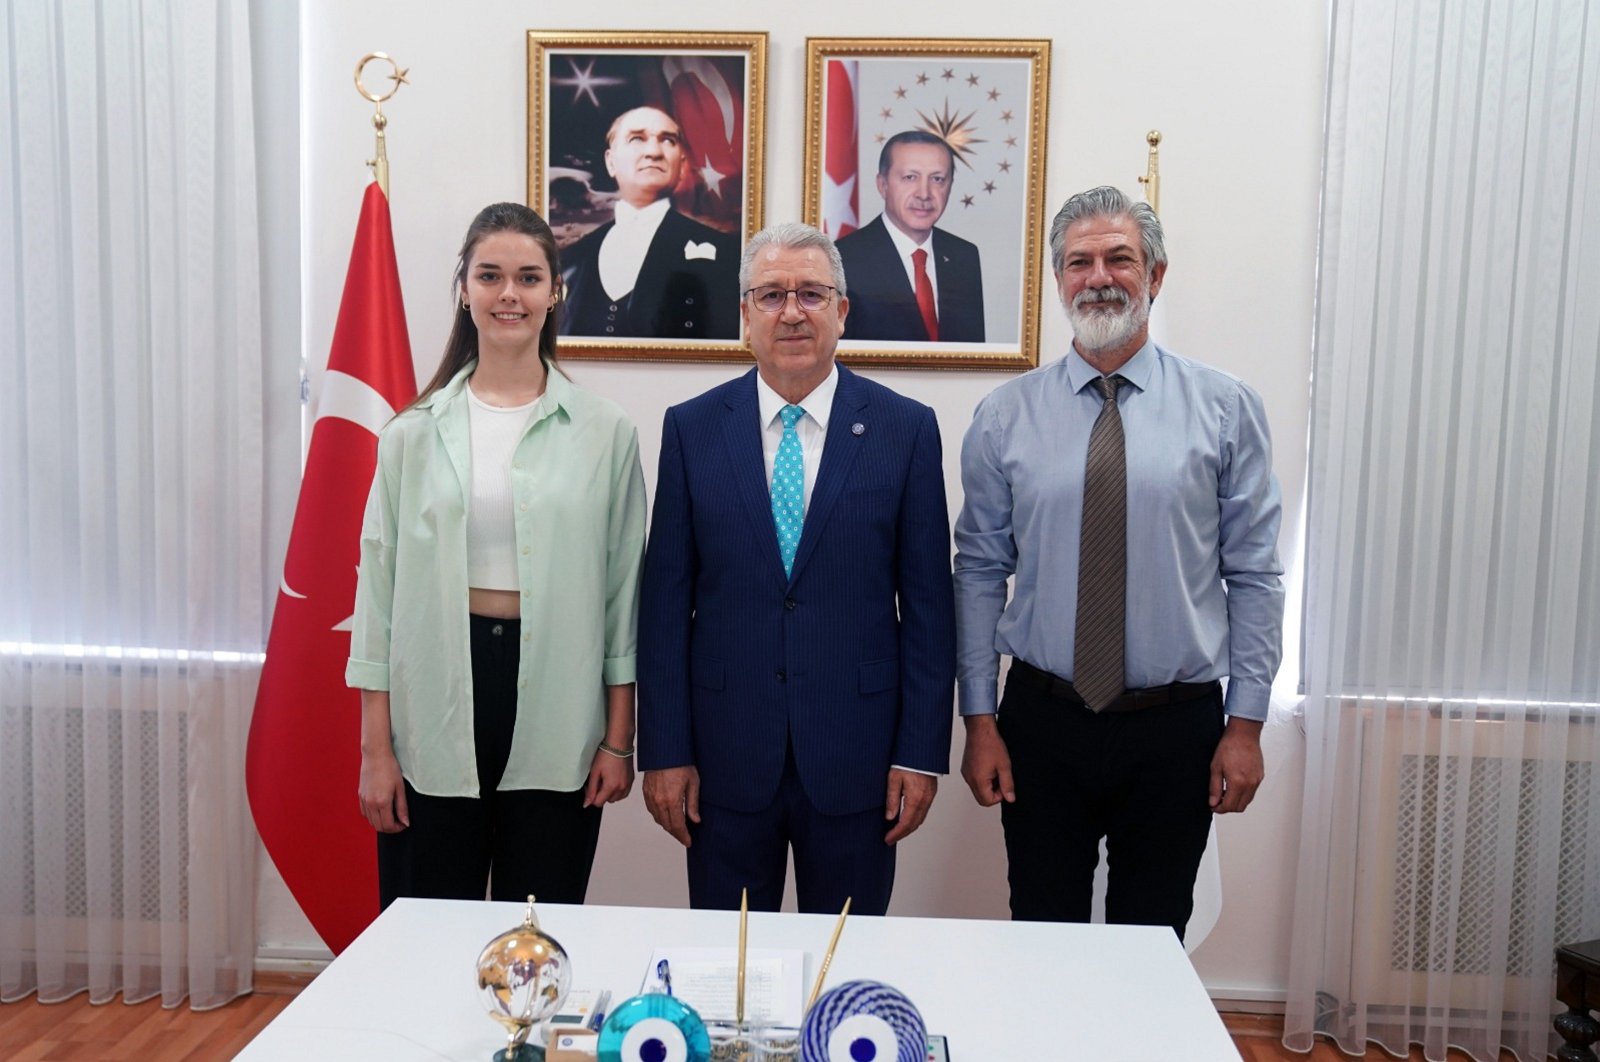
811, 297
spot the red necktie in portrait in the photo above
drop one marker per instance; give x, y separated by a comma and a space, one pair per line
930, 316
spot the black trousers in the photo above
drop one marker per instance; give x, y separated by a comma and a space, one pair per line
1139, 779
521, 840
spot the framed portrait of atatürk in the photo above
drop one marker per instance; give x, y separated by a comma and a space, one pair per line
645, 153
924, 160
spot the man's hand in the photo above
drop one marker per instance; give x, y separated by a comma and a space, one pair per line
610, 778
673, 797
910, 797
382, 791
986, 765
1236, 767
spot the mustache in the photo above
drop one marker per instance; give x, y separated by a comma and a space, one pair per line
1110, 293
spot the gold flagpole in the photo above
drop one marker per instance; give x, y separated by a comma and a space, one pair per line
380, 164
1152, 173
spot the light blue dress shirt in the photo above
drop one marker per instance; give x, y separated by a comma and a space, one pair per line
1204, 595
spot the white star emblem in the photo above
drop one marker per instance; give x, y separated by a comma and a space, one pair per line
713, 179
583, 82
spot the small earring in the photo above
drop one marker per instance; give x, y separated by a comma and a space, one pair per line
467, 308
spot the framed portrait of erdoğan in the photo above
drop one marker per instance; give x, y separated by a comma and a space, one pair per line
924, 160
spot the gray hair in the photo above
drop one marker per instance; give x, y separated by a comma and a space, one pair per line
1108, 202
790, 236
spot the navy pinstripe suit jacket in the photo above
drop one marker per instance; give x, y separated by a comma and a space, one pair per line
851, 658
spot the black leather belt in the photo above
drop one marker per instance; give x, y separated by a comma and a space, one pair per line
1130, 701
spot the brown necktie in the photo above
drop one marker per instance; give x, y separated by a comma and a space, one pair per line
1097, 663
930, 316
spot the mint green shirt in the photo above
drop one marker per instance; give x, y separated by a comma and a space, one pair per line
579, 500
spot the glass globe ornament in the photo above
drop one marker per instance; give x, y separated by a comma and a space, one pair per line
863, 1021
654, 1028
523, 977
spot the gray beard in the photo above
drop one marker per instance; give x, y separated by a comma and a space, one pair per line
1096, 331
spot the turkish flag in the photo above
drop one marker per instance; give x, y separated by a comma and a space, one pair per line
841, 197
709, 108
304, 757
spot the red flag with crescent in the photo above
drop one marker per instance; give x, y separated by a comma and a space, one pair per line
304, 759
841, 197
709, 107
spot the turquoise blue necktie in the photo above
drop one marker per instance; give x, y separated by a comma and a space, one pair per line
789, 487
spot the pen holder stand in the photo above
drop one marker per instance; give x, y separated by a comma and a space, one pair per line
749, 1042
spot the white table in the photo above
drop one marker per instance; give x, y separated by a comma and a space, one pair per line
1000, 991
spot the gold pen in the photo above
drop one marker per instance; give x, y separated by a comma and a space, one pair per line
827, 959
744, 919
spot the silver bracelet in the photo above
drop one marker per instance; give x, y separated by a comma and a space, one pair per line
612, 750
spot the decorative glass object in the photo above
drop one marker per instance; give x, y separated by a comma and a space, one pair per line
523, 976
863, 1021
654, 1028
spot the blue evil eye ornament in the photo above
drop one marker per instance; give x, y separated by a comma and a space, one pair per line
864, 1021
654, 1028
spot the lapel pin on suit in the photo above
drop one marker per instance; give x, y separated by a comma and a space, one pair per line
858, 428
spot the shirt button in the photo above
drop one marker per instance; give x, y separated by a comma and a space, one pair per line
516, 466
609, 328
497, 630
523, 507
522, 685
689, 301
526, 637
524, 551
527, 593
782, 676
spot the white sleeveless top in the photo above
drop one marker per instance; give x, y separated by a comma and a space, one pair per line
491, 531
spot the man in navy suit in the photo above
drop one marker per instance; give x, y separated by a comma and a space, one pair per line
910, 280
650, 271
796, 632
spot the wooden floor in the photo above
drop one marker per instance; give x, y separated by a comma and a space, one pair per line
1258, 1039
57, 1032
64, 1032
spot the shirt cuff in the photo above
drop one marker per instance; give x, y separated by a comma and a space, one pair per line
1248, 700
366, 675
977, 695
619, 670
913, 770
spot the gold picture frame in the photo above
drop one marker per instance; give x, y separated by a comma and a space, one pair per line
986, 102
683, 303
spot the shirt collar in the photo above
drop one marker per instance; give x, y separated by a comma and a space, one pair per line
558, 391
648, 217
817, 404
1136, 370
905, 244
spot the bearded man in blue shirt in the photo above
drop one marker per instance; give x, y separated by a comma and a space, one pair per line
1130, 493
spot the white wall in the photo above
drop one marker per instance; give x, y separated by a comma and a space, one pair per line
1236, 88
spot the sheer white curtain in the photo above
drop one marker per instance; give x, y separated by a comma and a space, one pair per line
131, 532
1451, 831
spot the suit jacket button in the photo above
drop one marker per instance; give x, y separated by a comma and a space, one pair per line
789, 603
782, 676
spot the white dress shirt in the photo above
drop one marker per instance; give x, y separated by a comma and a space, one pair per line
811, 428
622, 251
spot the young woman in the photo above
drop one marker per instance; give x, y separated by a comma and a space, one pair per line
495, 622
